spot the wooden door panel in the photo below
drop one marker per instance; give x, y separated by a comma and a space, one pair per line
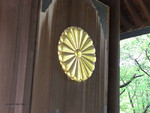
17, 38
52, 90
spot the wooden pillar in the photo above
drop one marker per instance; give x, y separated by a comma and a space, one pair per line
114, 51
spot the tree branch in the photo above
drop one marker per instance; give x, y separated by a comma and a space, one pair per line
122, 91
145, 110
128, 82
131, 101
141, 67
147, 55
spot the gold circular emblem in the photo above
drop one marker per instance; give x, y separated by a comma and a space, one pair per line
76, 54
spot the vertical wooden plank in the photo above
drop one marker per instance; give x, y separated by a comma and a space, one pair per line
15, 26
23, 38
42, 69
8, 41
32, 37
114, 40
103, 12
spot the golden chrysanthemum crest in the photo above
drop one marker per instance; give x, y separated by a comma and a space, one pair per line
76, 54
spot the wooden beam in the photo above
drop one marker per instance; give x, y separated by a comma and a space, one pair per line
134, 33
145, 10
125, 22
138, 22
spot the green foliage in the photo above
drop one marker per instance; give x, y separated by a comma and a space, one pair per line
135, 61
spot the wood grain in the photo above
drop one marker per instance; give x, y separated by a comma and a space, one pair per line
16, 27
52, 90
114, 52
137, 20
